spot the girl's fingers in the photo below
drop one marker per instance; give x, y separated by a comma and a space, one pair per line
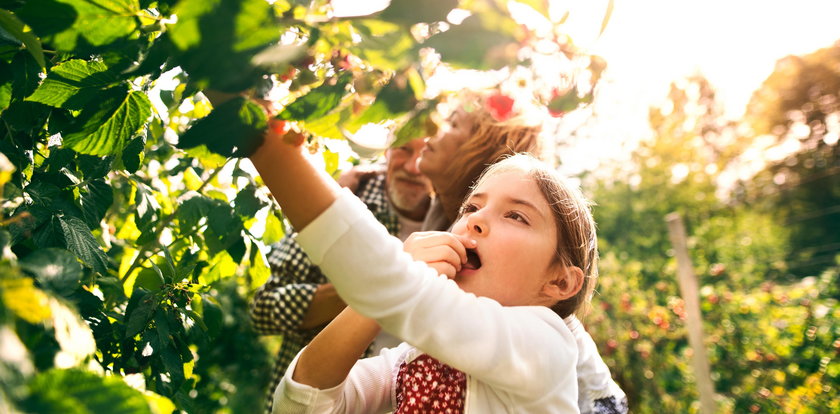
430, 239
439, 254
444, 268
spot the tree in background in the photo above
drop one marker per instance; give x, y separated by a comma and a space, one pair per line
772, 347
796, 112
131, 232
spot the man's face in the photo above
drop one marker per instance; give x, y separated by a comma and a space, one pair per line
408, 189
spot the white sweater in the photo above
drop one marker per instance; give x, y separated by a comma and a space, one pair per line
517, 359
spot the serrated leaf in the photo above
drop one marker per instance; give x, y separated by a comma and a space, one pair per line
80, 241
56, 270
95, 199
73, 83
68, 24
78, 391
15, 27
110, 123
234, 128
317, 103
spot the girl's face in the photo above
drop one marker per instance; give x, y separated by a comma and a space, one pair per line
509, 218
443, 149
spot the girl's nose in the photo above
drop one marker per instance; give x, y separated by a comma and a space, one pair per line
477, 225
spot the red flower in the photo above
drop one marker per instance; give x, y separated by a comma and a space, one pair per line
500, 106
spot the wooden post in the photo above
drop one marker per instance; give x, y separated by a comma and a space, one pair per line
691, 295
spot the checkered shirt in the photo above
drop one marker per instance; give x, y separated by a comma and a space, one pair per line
280, 304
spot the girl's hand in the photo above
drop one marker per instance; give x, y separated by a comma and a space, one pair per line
443, 251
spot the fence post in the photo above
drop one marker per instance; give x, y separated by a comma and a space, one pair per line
691, 295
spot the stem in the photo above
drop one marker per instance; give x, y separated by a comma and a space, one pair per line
148, 247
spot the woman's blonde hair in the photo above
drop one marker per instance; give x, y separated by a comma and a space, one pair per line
577, 242
489, 141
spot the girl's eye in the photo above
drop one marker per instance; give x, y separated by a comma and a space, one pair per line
468, 208
516, 216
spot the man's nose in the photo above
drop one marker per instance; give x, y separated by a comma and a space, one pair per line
410, 165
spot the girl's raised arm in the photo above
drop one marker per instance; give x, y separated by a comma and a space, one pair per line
302, 190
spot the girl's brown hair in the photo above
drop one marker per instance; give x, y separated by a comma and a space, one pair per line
577, 242
489, 141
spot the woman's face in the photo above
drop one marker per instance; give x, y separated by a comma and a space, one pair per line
444, 148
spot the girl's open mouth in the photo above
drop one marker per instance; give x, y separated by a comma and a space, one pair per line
473, 261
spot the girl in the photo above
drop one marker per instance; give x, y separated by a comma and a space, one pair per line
470, 140
490, 339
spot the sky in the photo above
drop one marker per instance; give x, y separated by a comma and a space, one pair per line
649, 43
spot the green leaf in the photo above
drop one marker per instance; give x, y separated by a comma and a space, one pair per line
409, 12
383, 45
420, 125
110, 123
174, 364
162, 324
149, 279
237, 29
140, 309
234, 128
78, 391
318, 102
327, 126
56, 270
27, 75
192, 210
6, 79
469, 44
393, 100
80, 241
15, 27
212, 315
73, 83
247, 204
95, 199
133, 154
273, 229
68, 24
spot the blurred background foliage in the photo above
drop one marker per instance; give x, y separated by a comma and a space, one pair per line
760, 199
130, 247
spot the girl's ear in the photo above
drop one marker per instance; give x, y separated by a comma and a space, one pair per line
564, 283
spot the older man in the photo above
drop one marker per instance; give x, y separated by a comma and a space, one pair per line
297, 301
